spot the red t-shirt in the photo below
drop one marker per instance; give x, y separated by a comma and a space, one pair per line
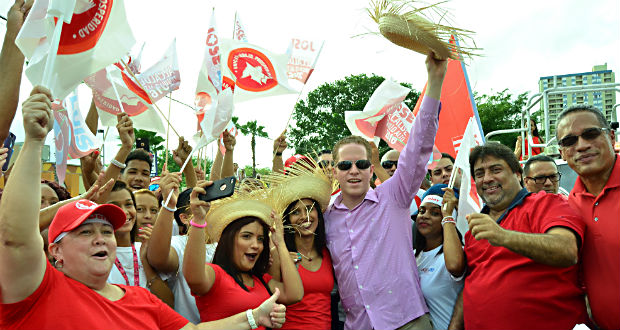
505, 290
535, 150
601, 247
227, 298
61, 302
314, 310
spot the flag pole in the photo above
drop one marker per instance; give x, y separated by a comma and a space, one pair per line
168, 130
234, 25
153, 103
50, 62
299, 94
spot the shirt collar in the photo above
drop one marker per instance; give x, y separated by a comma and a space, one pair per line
371, 195
518, 200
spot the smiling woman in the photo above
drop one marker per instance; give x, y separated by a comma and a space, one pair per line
238, 274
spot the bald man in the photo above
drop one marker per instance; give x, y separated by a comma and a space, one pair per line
389, 161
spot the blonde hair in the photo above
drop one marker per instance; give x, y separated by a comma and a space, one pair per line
351, 139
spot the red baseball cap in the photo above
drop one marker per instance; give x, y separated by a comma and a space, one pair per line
72, 215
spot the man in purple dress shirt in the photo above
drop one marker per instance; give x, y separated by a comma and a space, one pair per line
369, 231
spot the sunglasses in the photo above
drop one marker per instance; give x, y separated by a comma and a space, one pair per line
326, 163
588, 134
346, 165
389, 163
543, 178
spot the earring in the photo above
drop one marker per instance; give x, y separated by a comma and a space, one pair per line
58, 264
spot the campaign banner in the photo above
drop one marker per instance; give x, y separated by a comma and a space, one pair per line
163, 77
303, 56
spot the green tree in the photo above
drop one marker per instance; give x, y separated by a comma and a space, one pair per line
262, 171
319, 119
254, 129
501, 110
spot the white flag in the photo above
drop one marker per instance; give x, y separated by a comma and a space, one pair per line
97, 36
239, 30
163, 77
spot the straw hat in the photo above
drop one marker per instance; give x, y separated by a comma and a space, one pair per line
302, 180
405, 26
241, 204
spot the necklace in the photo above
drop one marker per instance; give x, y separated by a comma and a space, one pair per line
136, 268
302, 255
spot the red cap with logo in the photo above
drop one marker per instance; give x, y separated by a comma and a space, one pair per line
72, 215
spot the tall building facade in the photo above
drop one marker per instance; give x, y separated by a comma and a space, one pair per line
602, 99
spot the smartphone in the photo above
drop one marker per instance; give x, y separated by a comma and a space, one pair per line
219, 189
143, 143
9, 143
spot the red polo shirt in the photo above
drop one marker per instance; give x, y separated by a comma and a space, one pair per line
601, 247
505, 290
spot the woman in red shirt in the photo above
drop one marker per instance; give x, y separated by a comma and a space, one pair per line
303, 195
535, 138
236, 280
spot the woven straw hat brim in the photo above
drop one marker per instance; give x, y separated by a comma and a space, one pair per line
221, 216
412, 34
300, 187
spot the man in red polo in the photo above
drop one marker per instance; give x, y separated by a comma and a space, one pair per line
586, 144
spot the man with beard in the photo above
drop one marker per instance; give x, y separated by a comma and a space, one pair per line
522, 250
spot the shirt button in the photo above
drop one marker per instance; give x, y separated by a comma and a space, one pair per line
353, 248
361, 287
367, 307
596, 204
596, 219
350, 230
356, 267
390, 292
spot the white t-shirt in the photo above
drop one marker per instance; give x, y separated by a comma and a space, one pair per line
184, 302
439, 287
125, 256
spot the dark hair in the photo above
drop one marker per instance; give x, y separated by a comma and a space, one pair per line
182, 208
62, 192
537, 158
289, 233
138, 154
497, 150
420, 240
120, 185
354, 139
582, 108
447, 155
224, 252
535, 131
323, 152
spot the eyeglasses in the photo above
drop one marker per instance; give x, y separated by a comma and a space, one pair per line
326, 163
587, 134
346, 165
543, 178
389, 163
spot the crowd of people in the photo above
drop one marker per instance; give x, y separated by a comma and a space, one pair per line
345, 239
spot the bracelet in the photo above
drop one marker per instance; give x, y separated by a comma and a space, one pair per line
118, 164
191, 222
251, 320
448, 220
168, 208
150, 282
278, 154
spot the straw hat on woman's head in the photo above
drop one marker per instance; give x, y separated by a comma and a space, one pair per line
240, 205
302, 180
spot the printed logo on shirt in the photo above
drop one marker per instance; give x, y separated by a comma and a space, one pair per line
427, 270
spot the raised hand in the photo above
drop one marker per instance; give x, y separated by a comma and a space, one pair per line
449, 202
200, 174
37, 114
277, 230
170, 182
229, 141
99, 191
17, 15
374, 157
125, 130
182, 152
198, 207
279, 144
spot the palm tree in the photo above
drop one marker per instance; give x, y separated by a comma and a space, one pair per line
251, 128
